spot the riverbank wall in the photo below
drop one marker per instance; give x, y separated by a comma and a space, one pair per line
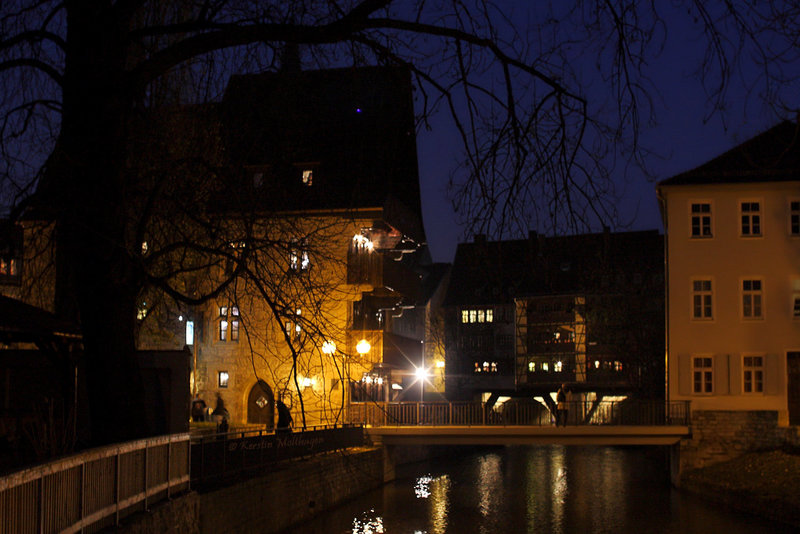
292, 493
720, 435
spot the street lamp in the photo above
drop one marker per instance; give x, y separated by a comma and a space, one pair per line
363, 347
422, 374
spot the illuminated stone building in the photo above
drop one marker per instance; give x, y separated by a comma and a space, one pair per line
314, 174
322, 165
733, 245
525, 316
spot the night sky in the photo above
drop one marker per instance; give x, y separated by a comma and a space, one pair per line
683, 137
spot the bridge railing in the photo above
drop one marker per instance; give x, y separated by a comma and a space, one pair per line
94, 489
516, 413
219, 457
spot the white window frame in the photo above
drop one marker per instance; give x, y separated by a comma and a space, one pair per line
706, 381
753, 374
754, 296
701, 216
751, 222
702, 293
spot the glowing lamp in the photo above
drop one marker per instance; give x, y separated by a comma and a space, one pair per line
421, 373
363, 347
328, 347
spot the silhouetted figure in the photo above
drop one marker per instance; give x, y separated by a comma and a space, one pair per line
284, 418
198, 410
222, 428
561, 406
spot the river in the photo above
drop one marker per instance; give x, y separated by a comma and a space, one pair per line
549, 489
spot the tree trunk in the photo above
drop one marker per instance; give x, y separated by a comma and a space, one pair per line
97, 281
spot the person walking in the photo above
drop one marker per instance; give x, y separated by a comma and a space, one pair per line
561, 406
284, 418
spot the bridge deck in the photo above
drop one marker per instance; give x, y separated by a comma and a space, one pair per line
528, 435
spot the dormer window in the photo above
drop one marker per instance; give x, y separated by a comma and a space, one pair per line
306, 172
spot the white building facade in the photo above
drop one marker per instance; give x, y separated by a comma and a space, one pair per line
733, 279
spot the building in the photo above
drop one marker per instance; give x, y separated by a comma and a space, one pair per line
319, 196
295, 203
525, 316
733, 278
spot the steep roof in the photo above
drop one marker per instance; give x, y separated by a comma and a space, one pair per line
771, 156
496, 272
354, 127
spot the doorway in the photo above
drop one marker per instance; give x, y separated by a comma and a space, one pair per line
793, 375
261, 405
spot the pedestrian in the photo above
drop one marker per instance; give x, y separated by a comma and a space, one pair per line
198, 410
284, 418
561, 406
223, 426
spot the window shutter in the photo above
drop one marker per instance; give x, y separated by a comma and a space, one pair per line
721, 375
735, 362
772, 382
684, 374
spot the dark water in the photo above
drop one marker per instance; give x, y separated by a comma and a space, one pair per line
549, 489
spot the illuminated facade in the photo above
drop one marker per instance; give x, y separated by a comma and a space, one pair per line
313, 187
525, 316
733, 231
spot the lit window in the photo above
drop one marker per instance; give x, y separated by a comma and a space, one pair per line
481, 316
703, 375
223, 378
464, 316
752, 297
141, 311
298, 256
308, 177
473, 316
701, 220
559, 366
190, 332
228, 323
751, 219
223, 330
484, 315
477, 368
701, 299
531, 367
489, 315
753, 374
794, 217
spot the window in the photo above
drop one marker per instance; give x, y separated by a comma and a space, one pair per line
753, 374
298, 256
751, 219
293, 329
222, 379
703, 375
701, 300
482, 315
701, 220
228, 323
794, 217
308, 177
752, 298
190, 332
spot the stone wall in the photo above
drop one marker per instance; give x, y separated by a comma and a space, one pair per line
719, 435
292, 494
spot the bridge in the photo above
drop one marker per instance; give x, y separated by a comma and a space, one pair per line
524, 423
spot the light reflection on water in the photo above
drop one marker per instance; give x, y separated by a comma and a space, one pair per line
535, 490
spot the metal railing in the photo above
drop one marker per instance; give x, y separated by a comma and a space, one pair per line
516, 413
218, 457
93, 490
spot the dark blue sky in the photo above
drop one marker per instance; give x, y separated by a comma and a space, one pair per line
682, 138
